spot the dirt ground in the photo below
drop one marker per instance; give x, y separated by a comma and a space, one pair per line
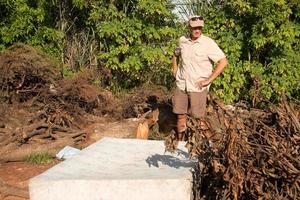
17, 174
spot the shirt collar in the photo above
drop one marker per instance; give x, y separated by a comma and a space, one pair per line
198, 39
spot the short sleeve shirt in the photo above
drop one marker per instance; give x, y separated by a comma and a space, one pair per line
197, 58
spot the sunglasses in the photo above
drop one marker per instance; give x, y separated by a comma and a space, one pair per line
196, 18
196, 28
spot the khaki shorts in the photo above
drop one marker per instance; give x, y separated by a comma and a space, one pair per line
194, 101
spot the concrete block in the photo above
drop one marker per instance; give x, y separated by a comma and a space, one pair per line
118, 169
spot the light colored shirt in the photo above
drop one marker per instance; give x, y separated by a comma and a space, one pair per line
197, 58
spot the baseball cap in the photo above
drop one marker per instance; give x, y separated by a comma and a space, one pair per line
196, 21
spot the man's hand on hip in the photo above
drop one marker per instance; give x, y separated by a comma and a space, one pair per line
203, 83
220, 66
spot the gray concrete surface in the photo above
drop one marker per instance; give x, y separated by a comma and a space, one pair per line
118, 169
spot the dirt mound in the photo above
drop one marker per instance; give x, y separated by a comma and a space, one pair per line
42, 112
24, 73
66, 103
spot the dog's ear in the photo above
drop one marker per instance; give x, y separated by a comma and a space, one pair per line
142, 131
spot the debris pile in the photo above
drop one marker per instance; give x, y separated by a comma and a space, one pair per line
41, 111
245, 153
24, 73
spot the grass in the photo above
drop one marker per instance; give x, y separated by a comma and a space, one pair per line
43, 158
154, 134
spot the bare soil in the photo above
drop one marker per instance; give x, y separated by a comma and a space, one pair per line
17, 174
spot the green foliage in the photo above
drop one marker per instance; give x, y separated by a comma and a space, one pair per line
44, 24
285, 76
26, 21
68, 73
137, 40
43, 158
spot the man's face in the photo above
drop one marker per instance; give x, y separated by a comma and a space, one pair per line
196, 31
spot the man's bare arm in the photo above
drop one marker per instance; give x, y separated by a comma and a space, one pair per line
174, 65
220, 67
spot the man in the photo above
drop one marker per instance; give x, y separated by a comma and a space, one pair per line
196, 54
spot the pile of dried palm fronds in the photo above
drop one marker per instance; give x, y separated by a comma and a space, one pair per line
245, 153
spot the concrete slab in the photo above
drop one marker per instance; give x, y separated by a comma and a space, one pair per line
118, 169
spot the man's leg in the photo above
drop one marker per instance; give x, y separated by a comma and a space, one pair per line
198, 106
180, 106
198, 103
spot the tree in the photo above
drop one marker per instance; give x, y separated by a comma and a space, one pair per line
137, 39
28, 22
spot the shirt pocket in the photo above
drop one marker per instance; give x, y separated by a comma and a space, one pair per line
185, 55
200, 57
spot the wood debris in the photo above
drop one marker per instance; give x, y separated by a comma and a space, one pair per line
245, 153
